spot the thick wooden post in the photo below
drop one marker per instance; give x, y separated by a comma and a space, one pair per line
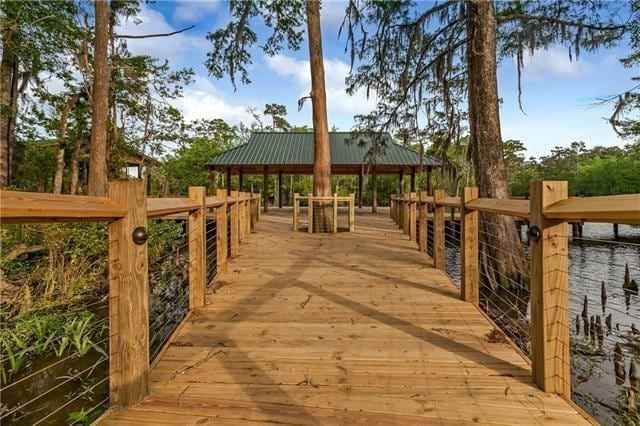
280, 194
422, 217
400, 185
438, 230
296, 212
235, 237
400, 221
240, 181
129, 297
241, 216
412, 216
550, 360
228, 181
406, 213
310, 211
360, 180
265, 188
252, 212
247, 213
221, 229
352, 213
374, 190
197, 251
413, 179
470, 274
335, 213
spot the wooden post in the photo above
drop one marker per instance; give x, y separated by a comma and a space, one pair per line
400, 186
470, 274
280, 190
240, 181
221, 229
235, 237
228, 181
429, 188
401, 211
412, 216
374, 190
265, 188
310, 212
406, 213
241, 217
335, 213
360, 180
296, 212
550, 360
197, 252
252, 212
422, 217
128, 297
413, 179
352, 213
438, 230
258, 209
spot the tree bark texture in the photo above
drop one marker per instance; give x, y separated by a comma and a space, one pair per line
9, 75
503, 253
323, 214
100, 102
62, 131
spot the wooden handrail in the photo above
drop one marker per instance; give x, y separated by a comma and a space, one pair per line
448, 202
614, 208
164, 206
507, 207
25, 207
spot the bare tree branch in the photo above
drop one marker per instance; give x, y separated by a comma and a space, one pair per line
154, 35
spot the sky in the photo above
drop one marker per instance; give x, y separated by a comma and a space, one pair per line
558, 94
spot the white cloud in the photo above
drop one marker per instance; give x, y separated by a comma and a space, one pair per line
336, 70
202, 100
180, 49
192, 10
554, 62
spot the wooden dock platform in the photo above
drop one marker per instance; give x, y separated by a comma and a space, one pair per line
349, 328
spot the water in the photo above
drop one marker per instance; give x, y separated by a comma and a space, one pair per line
595, 258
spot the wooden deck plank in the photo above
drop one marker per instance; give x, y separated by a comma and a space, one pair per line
340, 329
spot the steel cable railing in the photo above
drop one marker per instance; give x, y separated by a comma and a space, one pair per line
211, 245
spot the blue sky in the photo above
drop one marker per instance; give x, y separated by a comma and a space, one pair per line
558, 93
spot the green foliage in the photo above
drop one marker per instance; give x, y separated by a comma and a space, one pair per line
187, 165
589, 172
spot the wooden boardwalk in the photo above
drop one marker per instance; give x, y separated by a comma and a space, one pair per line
354, 328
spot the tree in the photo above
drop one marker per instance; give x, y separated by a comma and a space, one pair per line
277, 113
230, 56
34, 35
100, 101
430, 57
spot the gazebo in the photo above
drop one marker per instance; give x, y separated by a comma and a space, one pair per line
292, 154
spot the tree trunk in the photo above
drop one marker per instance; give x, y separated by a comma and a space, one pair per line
100, 102
9, 71
323, 214
75, 168
62, 131
505, 258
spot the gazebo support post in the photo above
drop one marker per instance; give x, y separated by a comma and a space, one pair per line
400, 178
228, 183
240, 181
429, 189
413, 179
374, 190
360, 179
280, 190
265, 189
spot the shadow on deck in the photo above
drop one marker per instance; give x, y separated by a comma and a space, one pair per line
339, 329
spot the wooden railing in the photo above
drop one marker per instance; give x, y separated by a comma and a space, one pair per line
548, 213
333, 201
126, 210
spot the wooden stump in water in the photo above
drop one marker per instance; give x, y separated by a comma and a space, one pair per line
618, 363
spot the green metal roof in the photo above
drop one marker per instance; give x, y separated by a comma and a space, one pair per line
278, 148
